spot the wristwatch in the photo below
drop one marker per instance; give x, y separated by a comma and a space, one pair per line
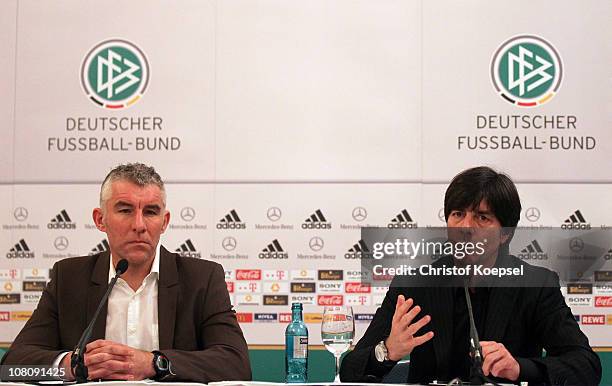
381, 352
161, 365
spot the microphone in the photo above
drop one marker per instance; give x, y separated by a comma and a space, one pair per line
121, 267
477, 377
476, 374
77, 362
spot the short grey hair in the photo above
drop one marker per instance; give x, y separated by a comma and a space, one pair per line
136, 173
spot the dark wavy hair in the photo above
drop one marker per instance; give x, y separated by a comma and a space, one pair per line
472, 186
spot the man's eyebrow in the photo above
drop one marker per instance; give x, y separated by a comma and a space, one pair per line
123, 203
153, 206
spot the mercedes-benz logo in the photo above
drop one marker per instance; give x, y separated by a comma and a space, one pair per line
360, 213
532, 214
20, 213
274, 213
187, 213
61, 243
576, 244
316, 243
441, 215
229, 243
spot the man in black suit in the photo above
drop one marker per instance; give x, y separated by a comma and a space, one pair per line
168, 317
514, 319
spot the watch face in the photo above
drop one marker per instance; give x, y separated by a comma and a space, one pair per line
380, 353
162, 363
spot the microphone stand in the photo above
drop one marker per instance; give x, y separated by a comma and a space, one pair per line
477, 377
77, 362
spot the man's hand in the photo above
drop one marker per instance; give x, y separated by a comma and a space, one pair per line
65, 364
109, 360
401, 340
498, 361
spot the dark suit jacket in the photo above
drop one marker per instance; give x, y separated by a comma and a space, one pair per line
198, 330
524, 317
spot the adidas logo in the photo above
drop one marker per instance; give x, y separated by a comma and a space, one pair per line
20, 251
273, 251
533, 251
187, 249
358, 251
61, 221
101, 247
316, 221
576, 221
231, 221
403, 221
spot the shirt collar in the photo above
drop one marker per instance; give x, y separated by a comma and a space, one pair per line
154, 266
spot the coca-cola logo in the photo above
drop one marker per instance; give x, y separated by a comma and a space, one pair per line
593, 319
603, 301
230, 286
248, 274
357, 288
330, 300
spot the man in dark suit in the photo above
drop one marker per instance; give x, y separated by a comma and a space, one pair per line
516, 317
168, 318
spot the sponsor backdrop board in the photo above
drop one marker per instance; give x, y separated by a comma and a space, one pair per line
160, 111
289, 75
547, 121
8, 26
285, 127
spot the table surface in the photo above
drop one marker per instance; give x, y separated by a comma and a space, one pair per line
225, 383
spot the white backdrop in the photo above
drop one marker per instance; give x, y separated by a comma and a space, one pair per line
300, 106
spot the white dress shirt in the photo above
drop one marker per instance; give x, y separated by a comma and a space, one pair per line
131, 317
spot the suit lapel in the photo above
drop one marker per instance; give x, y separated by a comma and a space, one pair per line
97, 288
500, 303
167, 298
502, 298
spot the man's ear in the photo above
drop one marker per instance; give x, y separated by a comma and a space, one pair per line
166, 221
506, 235
98, 219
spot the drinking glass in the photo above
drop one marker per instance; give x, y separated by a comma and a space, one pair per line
337, 332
